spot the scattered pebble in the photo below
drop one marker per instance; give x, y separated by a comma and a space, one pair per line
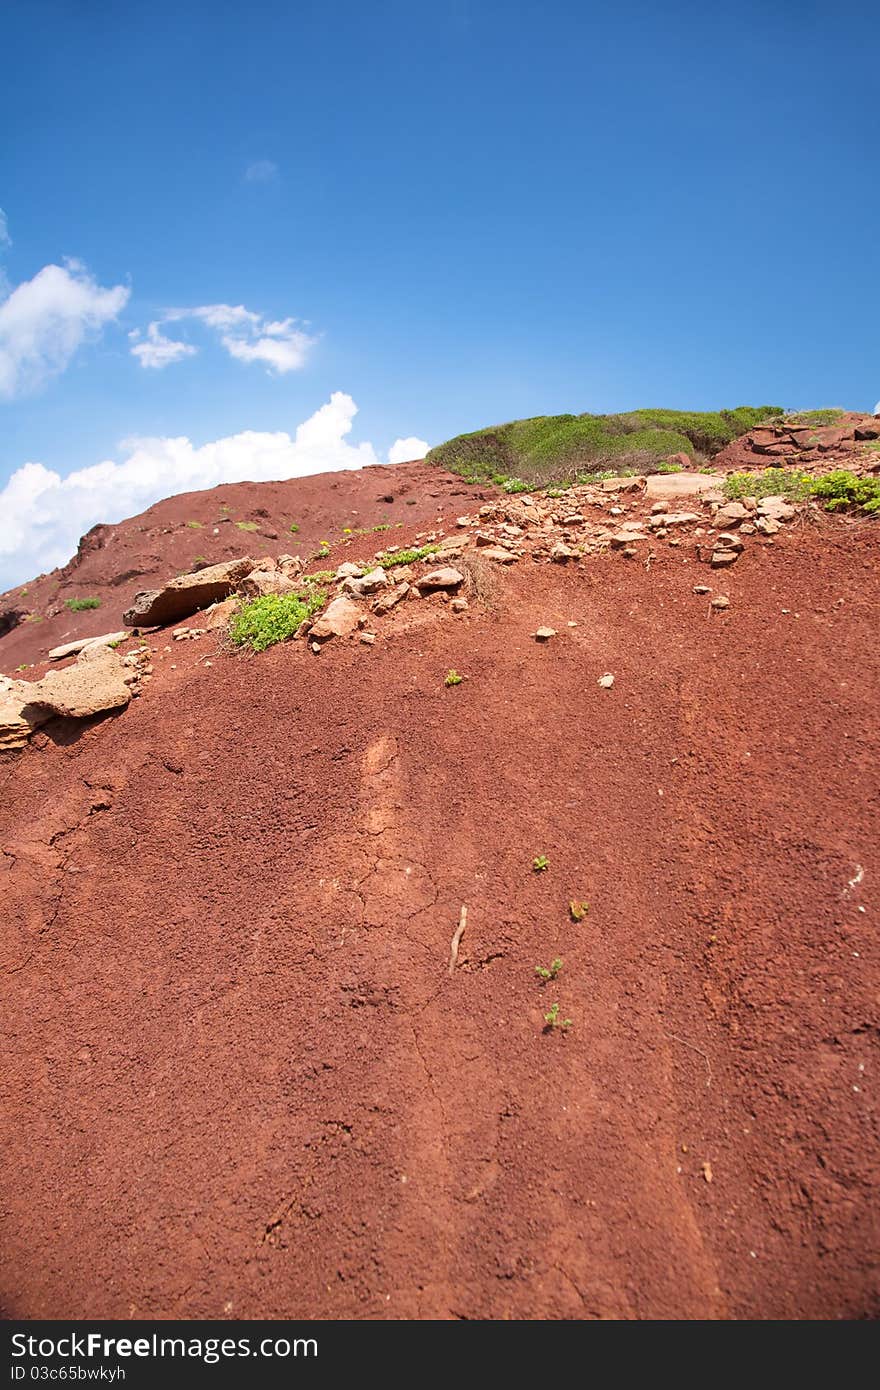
606, 681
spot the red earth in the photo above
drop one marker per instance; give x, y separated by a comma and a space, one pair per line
240, 1079
220, 523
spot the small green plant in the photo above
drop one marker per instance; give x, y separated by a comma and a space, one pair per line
578, 910
247, 525
842, 488
407, 557
552, 1019
200, 560
549, 972
453, 678
293, 528
195, 525
385, 526
319, 577
79, 605
273, 618
540, 863
792, 483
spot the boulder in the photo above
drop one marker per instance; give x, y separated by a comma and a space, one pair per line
182, 597
340, 619
18, 717
722, 558
731, 514
446, 578
561, 554
499, 555
93, 686
777, 508
261, 582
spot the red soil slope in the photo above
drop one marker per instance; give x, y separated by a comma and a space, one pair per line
240, 1080
113, 562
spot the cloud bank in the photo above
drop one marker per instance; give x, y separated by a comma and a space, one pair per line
45, 320
280, 343
408, 450
43, 515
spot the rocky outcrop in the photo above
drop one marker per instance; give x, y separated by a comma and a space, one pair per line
97, 684
74, 648
187, 595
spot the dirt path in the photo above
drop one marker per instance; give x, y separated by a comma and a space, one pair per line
239, 1079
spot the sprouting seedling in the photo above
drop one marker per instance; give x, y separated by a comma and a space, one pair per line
453, 678
578, 910
549, 972
552, 1019
540, 863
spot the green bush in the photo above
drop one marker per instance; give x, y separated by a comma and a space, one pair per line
79, 605
555, 448
407, 557
842, 488
273, 618
247, 525
814, 417
837, 490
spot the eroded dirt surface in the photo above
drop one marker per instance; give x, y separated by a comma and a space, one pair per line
239, 1080
358, 508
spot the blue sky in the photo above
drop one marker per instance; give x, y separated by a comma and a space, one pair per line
467, 211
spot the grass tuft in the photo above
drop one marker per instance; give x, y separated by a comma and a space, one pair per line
79, 605
273, 618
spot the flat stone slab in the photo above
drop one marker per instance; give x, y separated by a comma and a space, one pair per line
663, 485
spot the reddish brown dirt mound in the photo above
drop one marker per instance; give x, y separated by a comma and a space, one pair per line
849, 440
239, 1078
113, 562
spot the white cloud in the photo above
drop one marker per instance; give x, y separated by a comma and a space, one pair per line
247, 336
43, 515
877, 408
261, 171
159, 351
5, 238
407, 450
44, 320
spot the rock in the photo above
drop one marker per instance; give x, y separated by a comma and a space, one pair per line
18, 716
673, 518
767, 526
573, 519
445, 578
500, 555
629, 552
462, 521
621, 484
374, 581
386, 602
72, 648
726, 541
218, 614
702, 589
722, 601
368, 638
722, 558
184, 596
91, 687
561, 553
683, 460
339, 619
544, 634
869, 430
619, 539
261, 582
731, 514
606, 681
348, 571
776, 508
291, 564
459, 605
679, 484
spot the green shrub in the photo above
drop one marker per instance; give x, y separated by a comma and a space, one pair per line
814, 417
247, 525
79, 605
273, 618
792, 483
842, 488
838, 489
553, 448
195, 525
407, 557
293, 528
